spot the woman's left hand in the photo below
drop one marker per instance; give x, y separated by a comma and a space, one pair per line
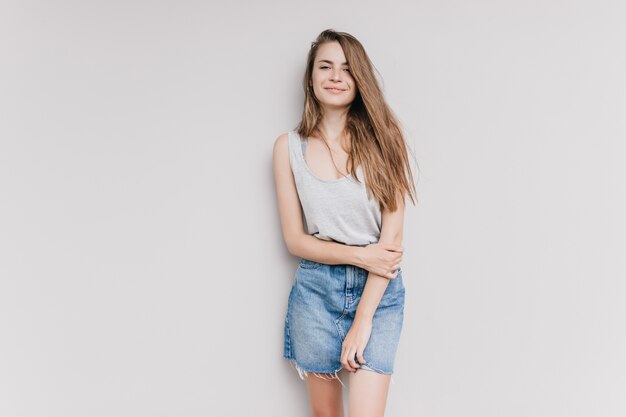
355, 342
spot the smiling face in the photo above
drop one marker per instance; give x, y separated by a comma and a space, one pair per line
333, 84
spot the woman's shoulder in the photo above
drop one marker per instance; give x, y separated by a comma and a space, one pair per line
281, 146
282, 138
281, 143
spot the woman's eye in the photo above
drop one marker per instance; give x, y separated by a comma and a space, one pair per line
326, 66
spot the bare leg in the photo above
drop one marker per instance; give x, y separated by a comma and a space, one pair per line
325, 395
367, 395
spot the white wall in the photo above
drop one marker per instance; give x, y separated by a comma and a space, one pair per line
142, 269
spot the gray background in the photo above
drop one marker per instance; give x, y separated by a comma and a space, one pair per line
142, 269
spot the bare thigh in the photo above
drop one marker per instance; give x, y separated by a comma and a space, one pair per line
325, 395
367, 394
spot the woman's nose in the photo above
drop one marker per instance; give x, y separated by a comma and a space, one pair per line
335, 74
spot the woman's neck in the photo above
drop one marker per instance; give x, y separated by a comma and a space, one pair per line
333, 124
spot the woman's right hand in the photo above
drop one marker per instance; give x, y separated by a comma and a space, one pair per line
381, 259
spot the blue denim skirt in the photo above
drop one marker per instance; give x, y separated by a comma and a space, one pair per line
320, 310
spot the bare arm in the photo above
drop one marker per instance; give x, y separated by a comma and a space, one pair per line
375, 286
391, 232
298, 242
309, 247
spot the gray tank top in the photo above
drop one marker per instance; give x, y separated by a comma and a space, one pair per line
337, 209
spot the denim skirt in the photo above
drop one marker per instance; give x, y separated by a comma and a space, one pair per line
320, 310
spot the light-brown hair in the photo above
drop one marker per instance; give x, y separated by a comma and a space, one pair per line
376, 140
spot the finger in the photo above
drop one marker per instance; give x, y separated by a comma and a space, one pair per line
347, 366
392, 271
359, 356
352, 361
344, 364
344, 360
349, 359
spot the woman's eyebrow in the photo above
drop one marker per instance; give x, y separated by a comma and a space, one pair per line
330, 62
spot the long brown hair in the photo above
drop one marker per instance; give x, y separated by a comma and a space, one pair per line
377, 142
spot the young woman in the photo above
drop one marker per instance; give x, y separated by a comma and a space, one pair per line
341, 180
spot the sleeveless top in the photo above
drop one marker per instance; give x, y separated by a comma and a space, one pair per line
337, 209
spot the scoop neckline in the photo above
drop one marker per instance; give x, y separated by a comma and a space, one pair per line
306, 166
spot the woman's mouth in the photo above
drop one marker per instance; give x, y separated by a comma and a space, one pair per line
335, 90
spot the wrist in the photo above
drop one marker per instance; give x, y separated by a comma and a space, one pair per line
356, 256
363, 315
